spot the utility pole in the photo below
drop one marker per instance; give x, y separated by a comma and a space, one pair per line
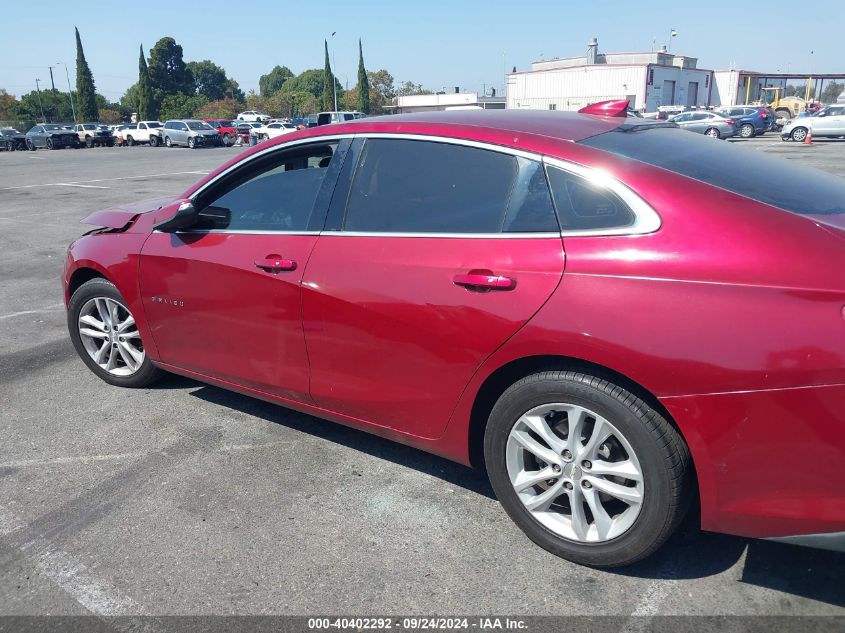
52, 83
40, 105
334, 81
72, 108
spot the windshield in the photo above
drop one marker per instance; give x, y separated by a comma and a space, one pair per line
153, 125
749, 173
198, 125
89, 127
53, 127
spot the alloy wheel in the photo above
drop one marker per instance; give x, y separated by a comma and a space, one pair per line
575, 472
110, 336
799, 134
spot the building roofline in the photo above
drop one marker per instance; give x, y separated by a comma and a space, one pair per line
549, 70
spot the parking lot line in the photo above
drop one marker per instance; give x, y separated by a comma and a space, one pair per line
73, 184
82, 182
52, 308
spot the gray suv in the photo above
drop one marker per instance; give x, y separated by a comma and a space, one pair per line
189, 132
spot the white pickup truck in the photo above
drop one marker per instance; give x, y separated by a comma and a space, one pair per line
142, 132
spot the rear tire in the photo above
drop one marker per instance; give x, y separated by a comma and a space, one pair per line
102, 290
746, 130
713, 133
645, 503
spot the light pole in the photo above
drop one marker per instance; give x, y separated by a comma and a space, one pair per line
40, 105
334, 83
672, 33
70, 92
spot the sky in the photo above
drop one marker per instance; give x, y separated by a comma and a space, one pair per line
437, 43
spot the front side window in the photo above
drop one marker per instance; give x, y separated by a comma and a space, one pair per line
405, 186
273, 193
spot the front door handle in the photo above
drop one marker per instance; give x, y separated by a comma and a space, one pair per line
483, 280
275, 263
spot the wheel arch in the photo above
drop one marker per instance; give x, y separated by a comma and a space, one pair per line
504, 376
82, 275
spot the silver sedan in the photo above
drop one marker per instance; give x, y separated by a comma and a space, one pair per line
707, 123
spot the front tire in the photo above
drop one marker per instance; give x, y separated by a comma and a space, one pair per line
50, 144
30, 145
168, 142
606, 494
130, 141
154, 141
799, 134
106, 337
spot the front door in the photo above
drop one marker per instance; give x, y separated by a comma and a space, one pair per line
442, 252
223, 299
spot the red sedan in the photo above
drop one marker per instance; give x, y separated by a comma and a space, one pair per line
616, 318
226, 129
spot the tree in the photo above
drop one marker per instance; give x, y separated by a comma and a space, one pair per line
85, 93
273, 81
279, 104
363, 83
145, 105
831, 92
8, 106
254, 101
410, 88
382, 90
222, 109
56, 106
107, 115
169, 74
209, 79
328, 84
181, 106
310, 81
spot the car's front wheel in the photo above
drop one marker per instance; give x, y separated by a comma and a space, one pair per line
168, 142
589, 471
106, 337
799, 134
746, 130
192, 143
153, 141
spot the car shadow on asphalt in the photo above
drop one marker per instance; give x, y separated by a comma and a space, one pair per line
689, 554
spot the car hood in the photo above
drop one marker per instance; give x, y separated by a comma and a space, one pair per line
120, 217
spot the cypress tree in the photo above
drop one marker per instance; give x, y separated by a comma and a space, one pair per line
363, 83
328, 83
86, 96
146, 103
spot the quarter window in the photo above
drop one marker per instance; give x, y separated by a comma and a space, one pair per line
274, 193
404, 186
584, 206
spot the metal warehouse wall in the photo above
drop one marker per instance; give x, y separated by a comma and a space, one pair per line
573, 88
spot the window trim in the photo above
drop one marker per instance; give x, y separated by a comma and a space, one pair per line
646, 219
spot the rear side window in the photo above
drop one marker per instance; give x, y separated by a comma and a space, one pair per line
749, 173
404, 186
582, 206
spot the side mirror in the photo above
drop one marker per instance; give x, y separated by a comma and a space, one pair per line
185, 217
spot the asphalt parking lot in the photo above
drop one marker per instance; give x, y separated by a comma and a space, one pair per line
187, 499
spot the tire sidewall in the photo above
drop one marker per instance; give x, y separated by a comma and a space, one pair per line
96, 288
639, 540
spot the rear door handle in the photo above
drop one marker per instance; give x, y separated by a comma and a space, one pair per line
482, 280
275, 264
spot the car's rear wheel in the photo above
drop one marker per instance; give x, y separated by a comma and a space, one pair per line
713, 133
586, 469
106, 337
799, 134
153, 141
746, 130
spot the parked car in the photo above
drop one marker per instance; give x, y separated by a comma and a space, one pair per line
657, 370
707, 123
273, 130
149, 132
189, 132
750, 120
226, 129
11, 139
252, 115
243, 130
93, 135
51, 136
324, 118
828, 122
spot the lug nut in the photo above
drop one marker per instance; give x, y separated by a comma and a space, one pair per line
586, 484
556, 468
567, 485
567, 454
585, 464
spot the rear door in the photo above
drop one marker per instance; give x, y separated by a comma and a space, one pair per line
223, 299
442, 252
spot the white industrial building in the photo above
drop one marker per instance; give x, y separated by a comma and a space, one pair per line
648, 80
446, 101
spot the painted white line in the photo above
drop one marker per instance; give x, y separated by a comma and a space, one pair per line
73, 184
53, 308
647, 607
77, 182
